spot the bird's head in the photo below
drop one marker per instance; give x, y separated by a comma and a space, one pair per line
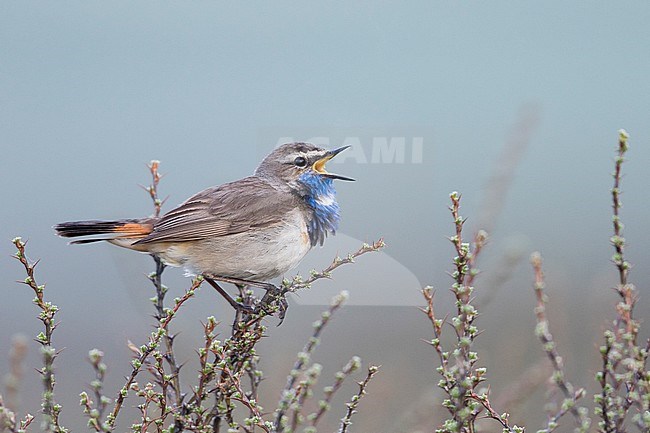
301, 166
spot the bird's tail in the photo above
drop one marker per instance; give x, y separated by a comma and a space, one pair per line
121, 232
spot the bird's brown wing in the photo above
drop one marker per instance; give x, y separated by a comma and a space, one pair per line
224, 210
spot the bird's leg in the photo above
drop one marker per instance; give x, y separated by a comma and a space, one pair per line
247, 300
239, 281
236, 305
273, 294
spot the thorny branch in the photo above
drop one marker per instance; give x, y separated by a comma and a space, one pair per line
51, 409
9, 422
623, 379
289, 392
548, 343
325, 404
147, 349
352, 405
460, 376
299, 283
161, 290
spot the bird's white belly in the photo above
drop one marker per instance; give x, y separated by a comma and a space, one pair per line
258, 254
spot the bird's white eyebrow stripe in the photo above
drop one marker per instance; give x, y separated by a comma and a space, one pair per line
312, 154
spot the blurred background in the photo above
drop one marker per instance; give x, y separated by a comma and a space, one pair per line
514, 104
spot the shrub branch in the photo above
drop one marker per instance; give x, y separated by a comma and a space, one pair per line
352, 405
623, 379
543, 332
51, 409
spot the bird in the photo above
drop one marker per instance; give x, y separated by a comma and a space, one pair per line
245, 232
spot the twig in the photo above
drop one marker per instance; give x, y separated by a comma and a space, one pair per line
623, 377
51, 409
325, 404
480, 239
206, 373
147, 349
233, 355
95, 409
256, 417
460, 377
153, 188
150, 396
289, 392
548, 343
463, 322
299, 283
170, 358
96, 358
161, 290
436, 324
617, 240
352, 405
9, 422
492, 414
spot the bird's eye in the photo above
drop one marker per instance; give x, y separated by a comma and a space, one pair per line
300, 162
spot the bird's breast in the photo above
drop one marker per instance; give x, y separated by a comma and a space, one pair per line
259, 254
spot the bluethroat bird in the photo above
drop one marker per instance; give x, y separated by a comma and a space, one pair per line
245, 232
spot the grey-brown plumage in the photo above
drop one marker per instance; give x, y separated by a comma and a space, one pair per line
249, 203
255, 228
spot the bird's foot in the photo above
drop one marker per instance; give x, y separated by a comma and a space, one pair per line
283, 306
274, 301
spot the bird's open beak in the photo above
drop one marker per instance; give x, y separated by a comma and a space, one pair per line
319, 166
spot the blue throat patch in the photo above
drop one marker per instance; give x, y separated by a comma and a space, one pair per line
322, 200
